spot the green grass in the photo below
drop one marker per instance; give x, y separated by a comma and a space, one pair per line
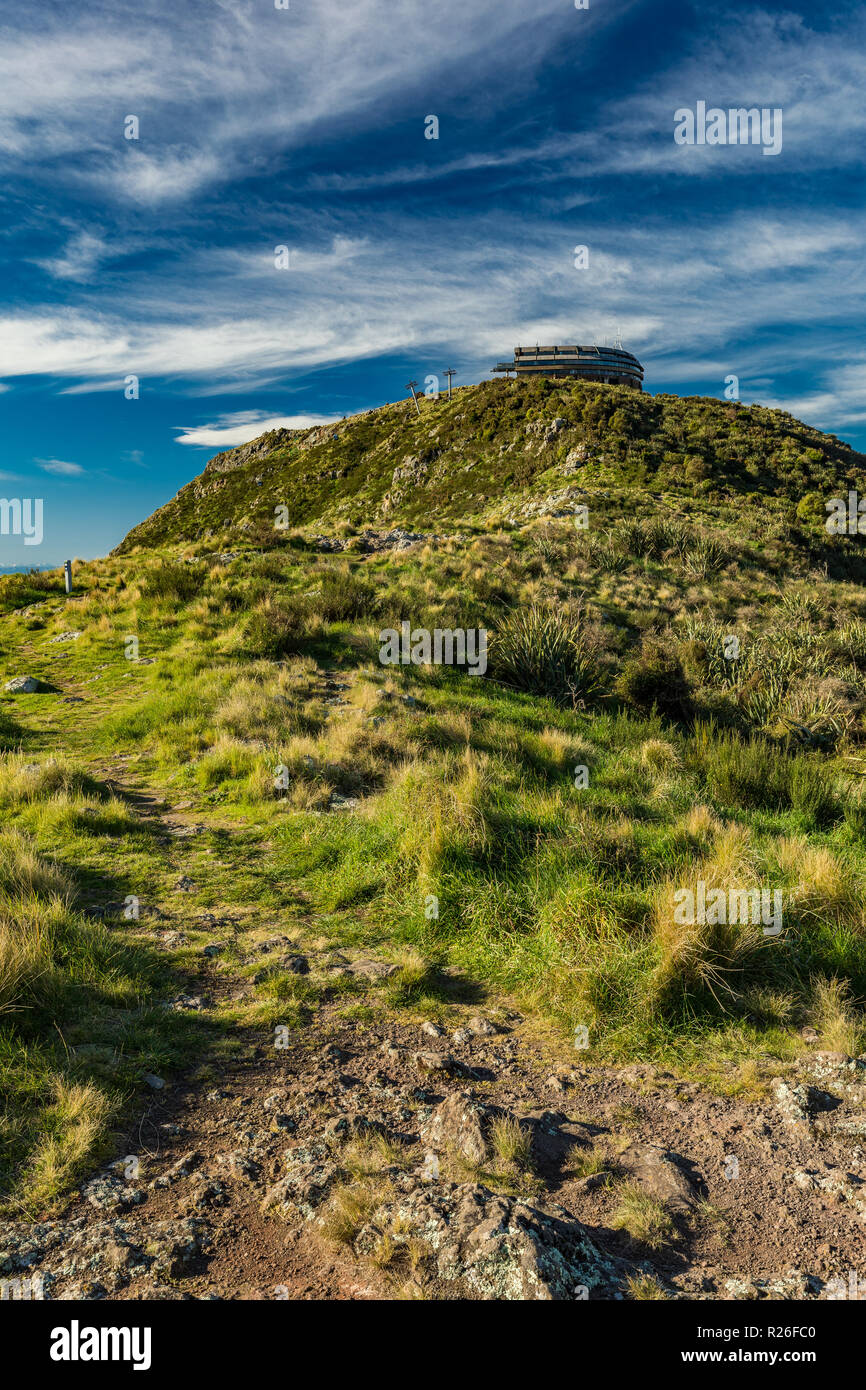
531, 826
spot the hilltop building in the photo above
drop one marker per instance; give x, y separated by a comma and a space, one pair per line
610, 364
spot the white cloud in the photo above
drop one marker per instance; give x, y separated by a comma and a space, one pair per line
231, 430
154, 179
209, 81
839, 400
60, 468
79, 260
466, 294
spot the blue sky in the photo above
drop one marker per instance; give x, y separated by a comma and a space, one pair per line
305, 128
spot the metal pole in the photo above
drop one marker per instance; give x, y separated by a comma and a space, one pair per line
67, 575
410, 386
449, 372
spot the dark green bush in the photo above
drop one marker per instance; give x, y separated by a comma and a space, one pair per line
812, 792
344, 597
277, 627
758, 773
655, 677
746, 773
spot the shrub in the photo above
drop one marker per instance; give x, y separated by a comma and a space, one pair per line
706, 557
343, 597
812, 793
746, 772
277, 627
171, 580
655, 677
605, 556
654, 539
544, 651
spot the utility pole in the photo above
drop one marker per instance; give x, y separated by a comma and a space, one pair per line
449, 372
410, 386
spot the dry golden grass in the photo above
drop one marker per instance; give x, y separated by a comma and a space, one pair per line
824, 886
511, 1143
25, 958
835, 1017
701, 824
24, 780
641, 1287
646, 1220
74, 1125
24, 873
586, 1162
349, 1209
659, 756
706, 955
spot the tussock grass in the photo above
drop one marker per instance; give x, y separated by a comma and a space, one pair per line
646, 1220
511, 1143
834, 1014
741, 772
545, 651
642, 1287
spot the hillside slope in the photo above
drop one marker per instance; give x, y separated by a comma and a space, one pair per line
489, 451
322, 940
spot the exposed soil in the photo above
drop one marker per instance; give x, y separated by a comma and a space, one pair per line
237, 1174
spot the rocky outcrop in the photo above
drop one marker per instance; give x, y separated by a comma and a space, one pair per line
498, 1246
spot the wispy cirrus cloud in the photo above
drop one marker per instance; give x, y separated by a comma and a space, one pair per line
60, 468
154, 257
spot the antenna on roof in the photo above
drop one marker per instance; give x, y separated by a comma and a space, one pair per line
617, 342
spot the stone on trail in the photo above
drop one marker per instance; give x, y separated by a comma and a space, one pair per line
373, 969
459, 1124
432, 1063
483, 1027
500, 1247
656, 1173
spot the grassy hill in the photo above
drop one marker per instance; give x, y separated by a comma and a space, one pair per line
490, 452
332, 790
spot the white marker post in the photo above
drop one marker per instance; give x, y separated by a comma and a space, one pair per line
67, 575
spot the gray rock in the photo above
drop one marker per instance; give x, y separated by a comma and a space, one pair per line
111, 1193
434, 1063
373, 969
240, 1165
499, 1247
25, 685
483, 1027
83, 1259
654, 1170
306, 1184
460, 1125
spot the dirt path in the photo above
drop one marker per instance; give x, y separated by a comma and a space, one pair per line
370, 1153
